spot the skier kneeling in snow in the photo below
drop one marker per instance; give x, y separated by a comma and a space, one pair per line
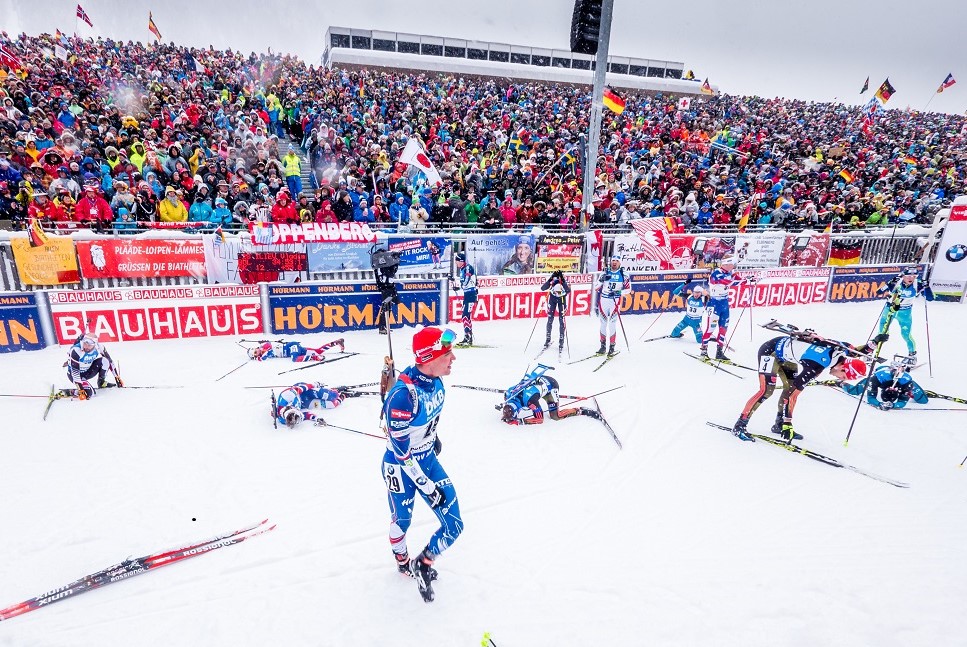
88, 358
301, 401
522, 402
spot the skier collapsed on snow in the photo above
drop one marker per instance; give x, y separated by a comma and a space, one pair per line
613, 284
891, 387
410, 464
719, 282
900, 292
87, 359
797, 360
292, 349
522, 402
301, 401
558, 291
696, 302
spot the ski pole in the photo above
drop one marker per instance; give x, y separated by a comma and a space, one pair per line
17, 395
963, 461
325, 361
622, 324
866, 385
322, 423
652, 324
233, 370
593, 395
926, 316
533, 330
729, 340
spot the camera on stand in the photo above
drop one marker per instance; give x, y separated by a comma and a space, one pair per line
385, 265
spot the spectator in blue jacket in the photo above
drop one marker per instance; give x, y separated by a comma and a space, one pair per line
399, 211
221, 215
200, 211
124, 223
363, 213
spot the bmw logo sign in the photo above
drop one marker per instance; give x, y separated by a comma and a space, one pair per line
957, 253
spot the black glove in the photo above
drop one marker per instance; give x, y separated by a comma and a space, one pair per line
895, 307
436, 498
437, 446
882, 338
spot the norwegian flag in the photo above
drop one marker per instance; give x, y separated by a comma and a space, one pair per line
654, 239
83, 16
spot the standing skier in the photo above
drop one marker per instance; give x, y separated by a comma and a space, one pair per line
796, 360
900, 292
719, 282
612, 285
466, 280
412, 409
558, 291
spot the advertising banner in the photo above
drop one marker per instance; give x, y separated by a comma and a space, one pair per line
20, 322
633, 254
53, 263
561, 252
420, 253
655, 292
759, 250
332, 307
493, 254
708, 251
337, 257
782, 287
949, 277
144, 313
267, 233
859, 283
502, 298
138, 258
259, 267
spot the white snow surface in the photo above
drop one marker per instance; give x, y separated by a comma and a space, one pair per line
686, 537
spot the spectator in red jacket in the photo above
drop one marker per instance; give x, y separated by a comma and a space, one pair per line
284, 211
93, 210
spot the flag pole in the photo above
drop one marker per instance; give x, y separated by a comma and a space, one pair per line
931, 99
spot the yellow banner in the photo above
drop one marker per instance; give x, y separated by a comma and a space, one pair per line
54, 263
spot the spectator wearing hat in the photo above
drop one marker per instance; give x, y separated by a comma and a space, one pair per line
172, 209
221, 215
124, 223
93, 210
284, 210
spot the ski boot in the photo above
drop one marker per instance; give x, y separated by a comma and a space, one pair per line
403, 566
677, 336
720, 355
341, 343
703, 351
421, 568
611, 351
601, 349
739, 430
782, 427
591, 413
911, 360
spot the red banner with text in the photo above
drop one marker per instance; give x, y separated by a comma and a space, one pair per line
139, 258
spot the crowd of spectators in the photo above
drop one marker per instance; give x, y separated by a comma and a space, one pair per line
121, 135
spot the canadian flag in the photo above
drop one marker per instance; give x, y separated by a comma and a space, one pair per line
414, 155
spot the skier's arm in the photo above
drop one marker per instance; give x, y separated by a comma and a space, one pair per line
547, 284
855, 389
74, 366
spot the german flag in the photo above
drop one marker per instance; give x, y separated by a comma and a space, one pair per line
845, 251
153, 28
613, 102
38, 238
846, 175
706, 88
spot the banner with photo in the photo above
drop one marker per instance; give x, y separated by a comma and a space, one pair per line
806, 249
53, 263
708, 251
501, 254
338, 257
421, 253
560, 252
140, 258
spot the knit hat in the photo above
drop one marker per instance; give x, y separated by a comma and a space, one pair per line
431, 343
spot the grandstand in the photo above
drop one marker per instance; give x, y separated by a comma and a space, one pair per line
349, 47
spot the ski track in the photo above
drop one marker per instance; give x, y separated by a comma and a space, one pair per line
687, 536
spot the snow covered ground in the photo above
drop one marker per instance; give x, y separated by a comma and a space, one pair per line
686, 537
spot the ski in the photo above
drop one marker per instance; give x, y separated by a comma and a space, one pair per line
816, 456
132, 567
463, 346
325, 361
50, 400
489, 389
338, 388
645, 341
606, 360
273, 409
793, 331
706, 360
941, 396
584, 359
604, 422
731, 363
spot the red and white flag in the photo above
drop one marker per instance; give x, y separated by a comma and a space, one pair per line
83, 16
655, 241
414, 155
8, 58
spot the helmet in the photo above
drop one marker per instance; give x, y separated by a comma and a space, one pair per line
853, 368
460, 257
253, 352
508, 412
890, 394
292, 416
698, 290
88, 340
